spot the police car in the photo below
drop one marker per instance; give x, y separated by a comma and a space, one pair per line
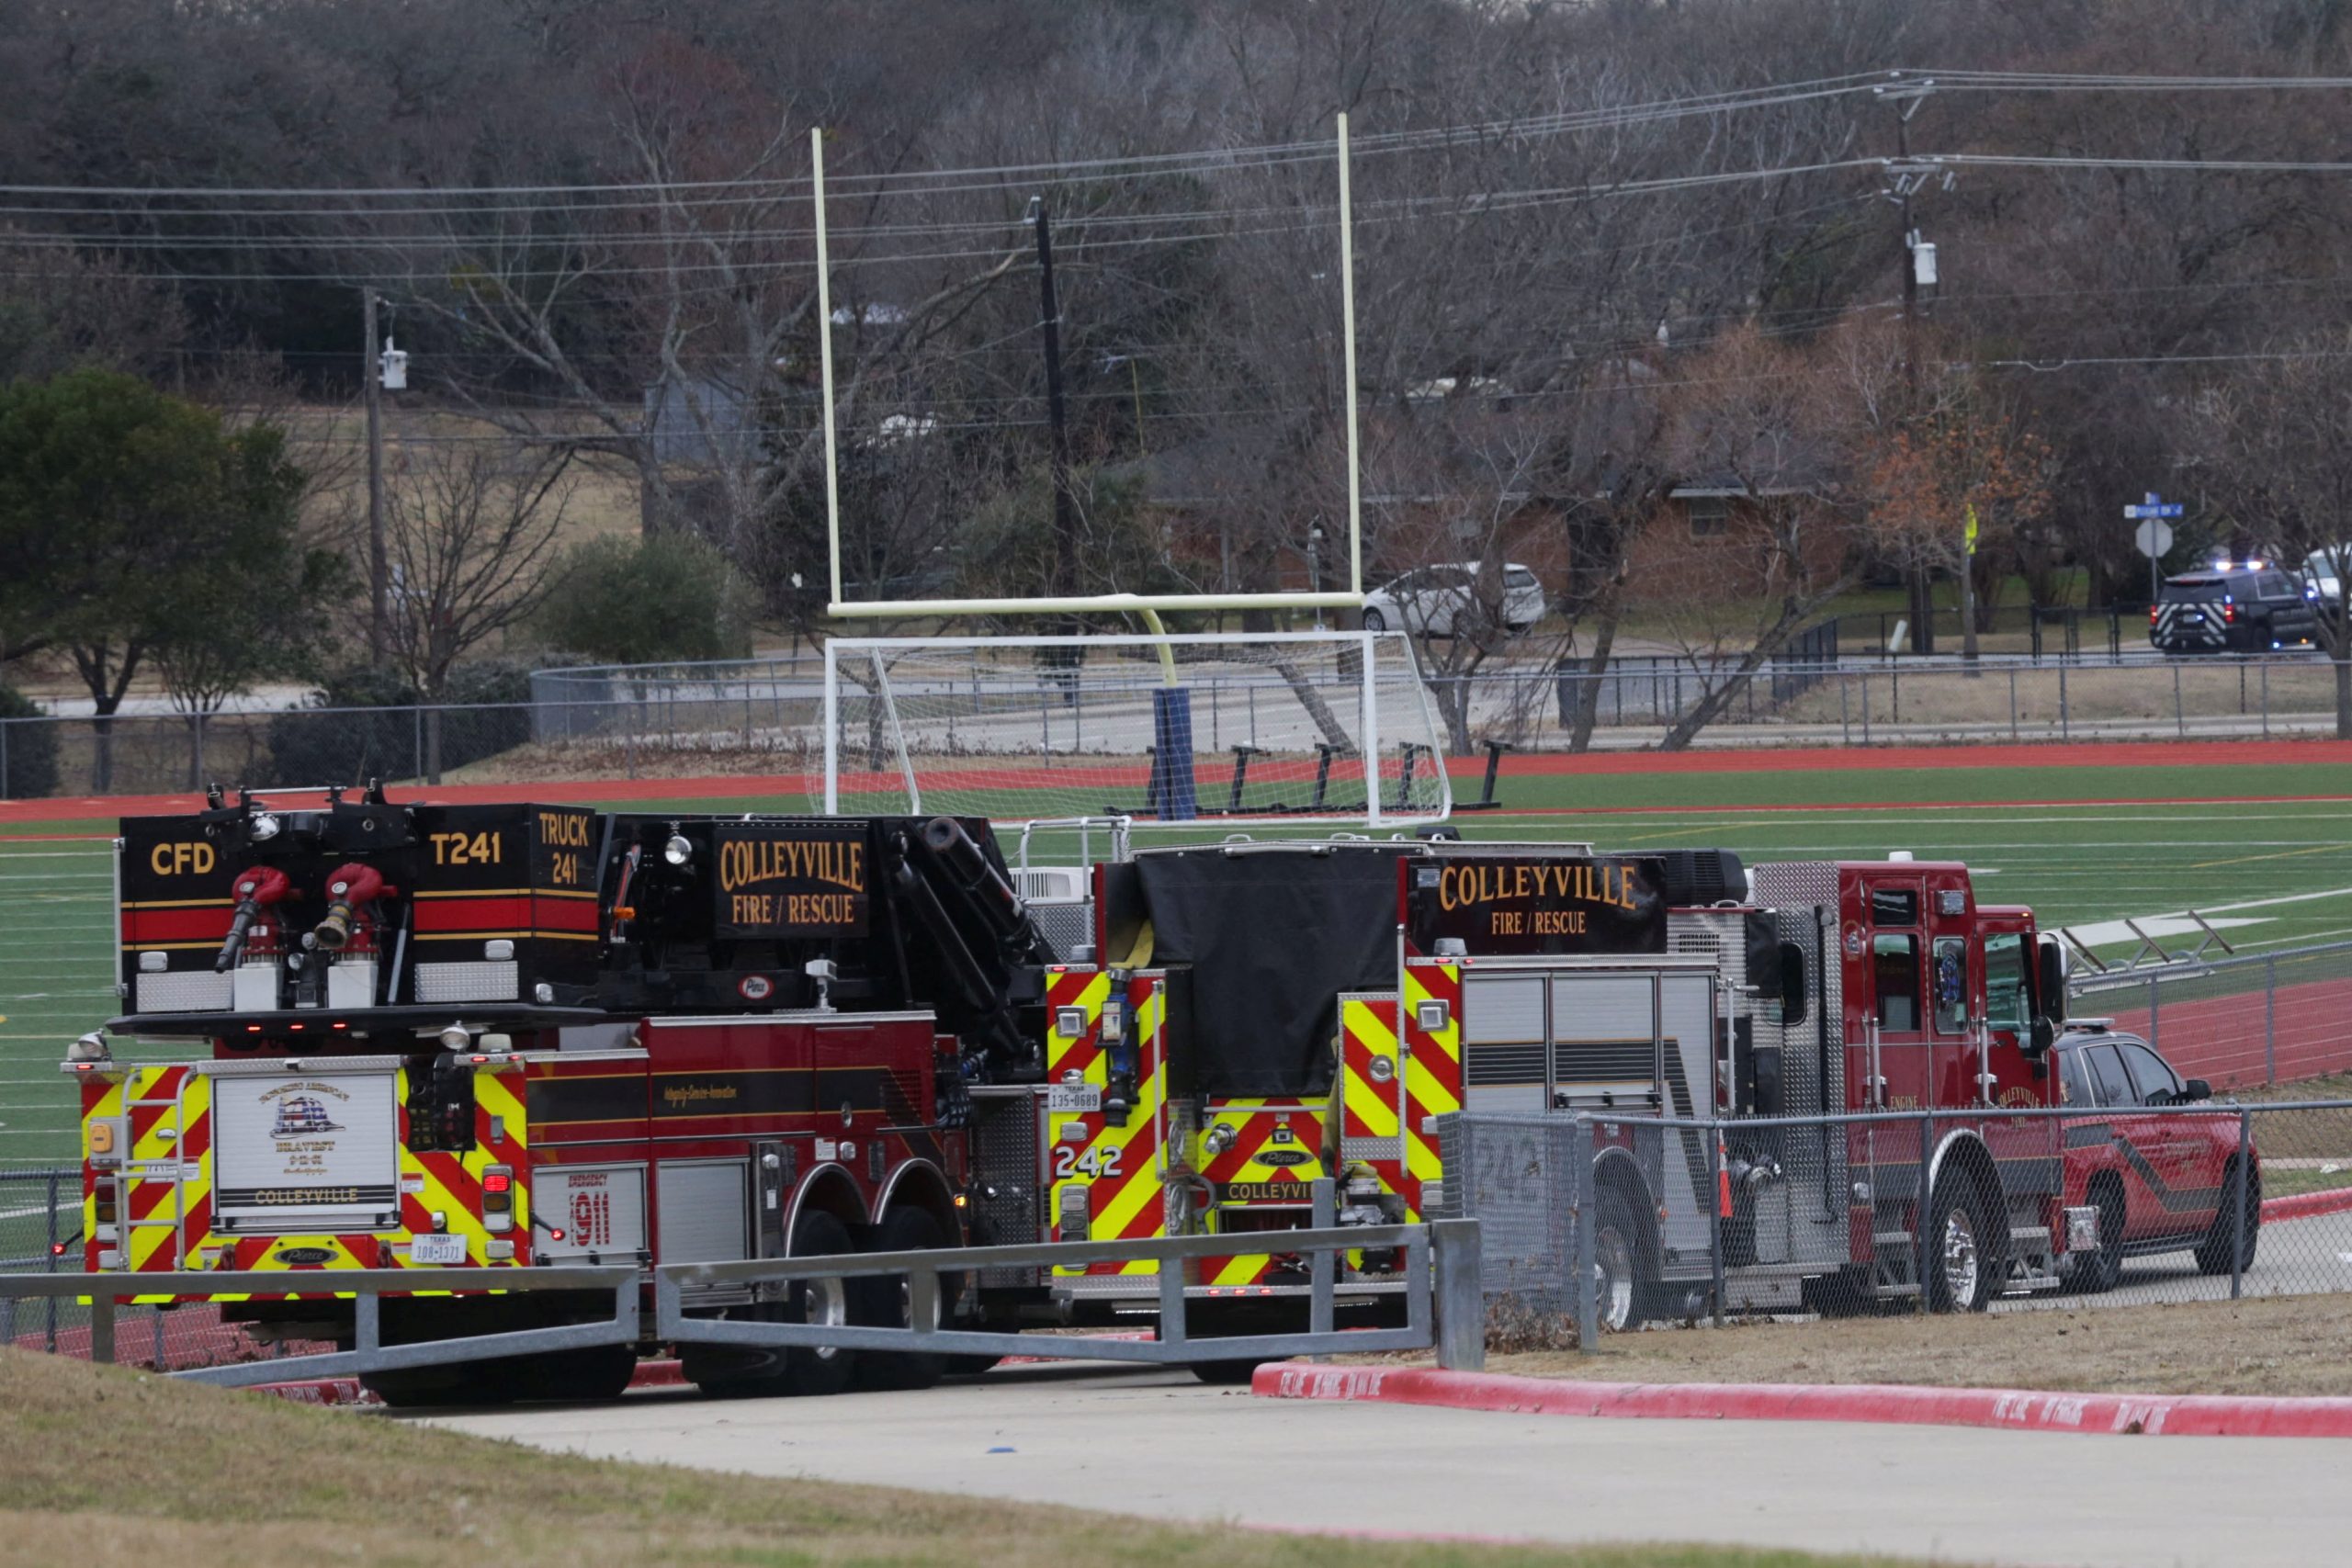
2247, 607
2160, 1183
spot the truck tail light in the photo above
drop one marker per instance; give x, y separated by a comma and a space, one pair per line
2152, 615
104, 1210
1077, 1212
498, 1197
2229, 614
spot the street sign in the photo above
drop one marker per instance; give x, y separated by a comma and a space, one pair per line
2154, 535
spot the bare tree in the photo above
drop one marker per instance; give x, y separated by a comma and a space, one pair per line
2276, 445
472, 530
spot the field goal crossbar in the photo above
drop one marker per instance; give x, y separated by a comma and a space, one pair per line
1166, 728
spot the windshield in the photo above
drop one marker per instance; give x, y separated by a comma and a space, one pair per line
1519, 577
2198, 589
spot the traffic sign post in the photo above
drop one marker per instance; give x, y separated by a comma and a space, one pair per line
2154, 535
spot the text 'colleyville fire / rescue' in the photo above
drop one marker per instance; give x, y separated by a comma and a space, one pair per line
801, 883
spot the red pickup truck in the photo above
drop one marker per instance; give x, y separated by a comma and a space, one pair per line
2161, 1182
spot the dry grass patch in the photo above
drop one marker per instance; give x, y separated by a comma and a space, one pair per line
106, 1467
2291, 1346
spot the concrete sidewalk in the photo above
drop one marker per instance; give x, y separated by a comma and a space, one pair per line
1158, 1443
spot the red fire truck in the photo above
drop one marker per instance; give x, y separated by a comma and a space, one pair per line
509, 1035
1285, 1011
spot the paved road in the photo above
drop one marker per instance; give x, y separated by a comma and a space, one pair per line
2292, 1257
1157, 1443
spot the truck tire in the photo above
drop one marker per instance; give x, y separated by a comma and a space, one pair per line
594, 1373
2095, 1273
442, 1388
883, 1302
1628, 1292
1963, 1263
2213, 1253
722, 1371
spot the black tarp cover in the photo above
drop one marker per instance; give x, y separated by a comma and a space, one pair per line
1273, 936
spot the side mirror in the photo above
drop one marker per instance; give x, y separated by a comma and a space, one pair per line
2197, 1089
1793, 990
2051, 974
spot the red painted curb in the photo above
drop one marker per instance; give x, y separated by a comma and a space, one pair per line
2204, 1415
317, 1391
2306, 1205
346, 1390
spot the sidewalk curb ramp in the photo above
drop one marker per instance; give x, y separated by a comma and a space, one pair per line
2169, 1415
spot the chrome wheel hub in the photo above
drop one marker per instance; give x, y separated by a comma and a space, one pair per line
1962, 1267
1612, 1269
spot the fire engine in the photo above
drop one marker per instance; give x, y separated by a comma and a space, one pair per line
1279, 1012
513, 1035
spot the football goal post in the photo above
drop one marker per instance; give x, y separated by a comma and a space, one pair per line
1186, 728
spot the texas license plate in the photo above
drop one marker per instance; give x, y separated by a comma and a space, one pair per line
1074, 1097
437, 1249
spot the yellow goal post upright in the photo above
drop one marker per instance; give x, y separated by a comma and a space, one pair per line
841, 607
1337, 724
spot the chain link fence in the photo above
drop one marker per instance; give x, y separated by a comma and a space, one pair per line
2118, 1199
2237, 1021
41, 1232
767, 720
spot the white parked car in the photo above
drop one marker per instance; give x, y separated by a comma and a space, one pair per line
1430, 599
2318, 571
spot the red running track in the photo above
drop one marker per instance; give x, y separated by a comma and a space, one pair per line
2221, 1038
2122, 755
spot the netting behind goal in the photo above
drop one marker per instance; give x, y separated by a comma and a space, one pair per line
1305, 727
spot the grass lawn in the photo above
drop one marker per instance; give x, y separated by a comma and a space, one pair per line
2270, 873
2280, 1346
108, 1468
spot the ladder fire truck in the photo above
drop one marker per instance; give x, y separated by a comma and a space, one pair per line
513, 1035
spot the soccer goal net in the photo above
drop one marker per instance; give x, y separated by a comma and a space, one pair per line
1305, 726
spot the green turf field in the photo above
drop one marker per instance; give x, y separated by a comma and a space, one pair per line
2280, 873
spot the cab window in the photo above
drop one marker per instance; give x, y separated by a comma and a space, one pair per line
1951, 979
2106, 1075
2073, 1079
2008, 1001
1894, 967
2275, 586
2153, 1083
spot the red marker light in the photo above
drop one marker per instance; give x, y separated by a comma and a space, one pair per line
556, 1235
496, 1183
57, 1249
252, 1029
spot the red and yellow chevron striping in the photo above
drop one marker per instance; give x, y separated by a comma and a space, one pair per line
163, 1181
1109, 1169
1432, 1072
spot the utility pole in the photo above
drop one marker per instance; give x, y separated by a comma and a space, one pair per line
1065, 518
379, 573
1906, 96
